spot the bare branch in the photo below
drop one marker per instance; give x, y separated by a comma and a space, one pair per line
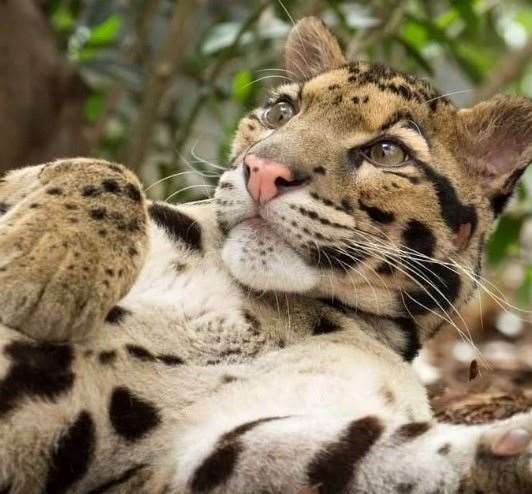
159, 79
393, 15
214, 73
143, 20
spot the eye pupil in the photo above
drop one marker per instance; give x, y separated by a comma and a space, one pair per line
279, 113
387, 153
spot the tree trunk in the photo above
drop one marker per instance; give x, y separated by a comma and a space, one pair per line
41, 94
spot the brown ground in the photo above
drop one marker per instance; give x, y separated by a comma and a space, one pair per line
494, 385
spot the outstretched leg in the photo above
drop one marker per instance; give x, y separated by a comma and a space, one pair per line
72, 241
324, 454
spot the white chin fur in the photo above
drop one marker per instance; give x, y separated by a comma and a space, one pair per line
260, 259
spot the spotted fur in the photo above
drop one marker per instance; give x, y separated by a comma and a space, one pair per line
234, 348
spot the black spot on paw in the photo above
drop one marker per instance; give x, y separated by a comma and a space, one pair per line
132, 417
179, 226
226, 185
54, 191
133, 192
71, 458
38, 370
97, 213
70, 206
116, 168
116, 315
110, 185
4, 207
319, 170
90, 191
107, 357
323, 326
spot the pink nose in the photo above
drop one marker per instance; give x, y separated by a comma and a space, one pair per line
265, 177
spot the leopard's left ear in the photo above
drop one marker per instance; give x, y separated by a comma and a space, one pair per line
311, 49
496, 136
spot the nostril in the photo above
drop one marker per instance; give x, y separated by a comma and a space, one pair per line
247, 173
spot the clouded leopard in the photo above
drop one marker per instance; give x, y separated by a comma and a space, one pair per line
260, 343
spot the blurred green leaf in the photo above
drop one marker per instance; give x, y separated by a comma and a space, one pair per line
524, 17
242, 87
105, 32
86, 54
475, 61
443, 21
414, 34
62, 19
524, 293
505, 239
93, 106
416, 55
465, 9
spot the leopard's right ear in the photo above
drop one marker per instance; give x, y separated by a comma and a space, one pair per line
311, 49
496, 138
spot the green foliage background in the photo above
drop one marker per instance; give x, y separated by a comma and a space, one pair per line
228, 52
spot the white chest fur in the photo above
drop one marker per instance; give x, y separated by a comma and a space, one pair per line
199, 308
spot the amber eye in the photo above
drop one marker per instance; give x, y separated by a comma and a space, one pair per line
279, 114
387, 153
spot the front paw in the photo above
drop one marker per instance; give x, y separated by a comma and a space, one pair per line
503, 463
70, 249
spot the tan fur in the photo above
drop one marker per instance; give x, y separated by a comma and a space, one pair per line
44, 225
195, 358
